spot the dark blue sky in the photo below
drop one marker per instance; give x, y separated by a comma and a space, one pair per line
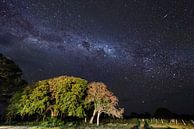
142, 49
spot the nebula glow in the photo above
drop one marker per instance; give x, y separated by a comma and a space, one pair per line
143, 50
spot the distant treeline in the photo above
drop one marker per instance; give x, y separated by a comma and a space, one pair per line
60, 97
161, 113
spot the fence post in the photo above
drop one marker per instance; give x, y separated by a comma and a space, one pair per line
162, 121
192, 122
183, 122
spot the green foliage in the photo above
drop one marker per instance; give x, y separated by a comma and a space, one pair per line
147, 126
69, 93
57, 96
33, 99
52, 122
138, 125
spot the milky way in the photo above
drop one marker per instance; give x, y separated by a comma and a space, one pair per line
143, 50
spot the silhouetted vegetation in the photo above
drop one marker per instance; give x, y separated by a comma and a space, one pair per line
67, 101
10, 80
164, 113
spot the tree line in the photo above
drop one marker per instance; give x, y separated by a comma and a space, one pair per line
64, 96
58, 97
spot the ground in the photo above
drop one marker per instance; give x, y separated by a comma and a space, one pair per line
121, 124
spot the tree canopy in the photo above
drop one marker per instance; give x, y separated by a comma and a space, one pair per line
103, 101
64, 96
57, 96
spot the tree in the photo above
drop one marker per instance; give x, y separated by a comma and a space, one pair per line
10, 79
57, 96
67, 94
164, 113
103, 101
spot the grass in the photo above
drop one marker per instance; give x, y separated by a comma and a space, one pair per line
110, 124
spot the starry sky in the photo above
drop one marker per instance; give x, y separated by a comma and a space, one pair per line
142, 49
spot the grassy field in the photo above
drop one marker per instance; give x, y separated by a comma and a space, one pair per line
112, 124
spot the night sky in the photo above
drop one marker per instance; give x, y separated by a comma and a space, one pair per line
142, 49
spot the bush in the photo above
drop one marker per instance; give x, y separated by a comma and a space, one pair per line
147, 126
138, 126
52, 122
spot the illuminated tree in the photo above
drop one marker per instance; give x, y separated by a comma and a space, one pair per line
67, 96
103, 101
57, 96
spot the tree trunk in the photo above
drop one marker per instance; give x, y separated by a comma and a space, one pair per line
53, 114
98, 118
85, 120
37, 118
92, 118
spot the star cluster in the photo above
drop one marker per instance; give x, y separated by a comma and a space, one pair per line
144, 50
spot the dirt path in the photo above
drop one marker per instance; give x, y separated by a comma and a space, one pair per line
15, 127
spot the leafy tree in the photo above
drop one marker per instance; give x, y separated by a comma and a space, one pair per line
10, 79
67, 94
103, 101
57, 96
